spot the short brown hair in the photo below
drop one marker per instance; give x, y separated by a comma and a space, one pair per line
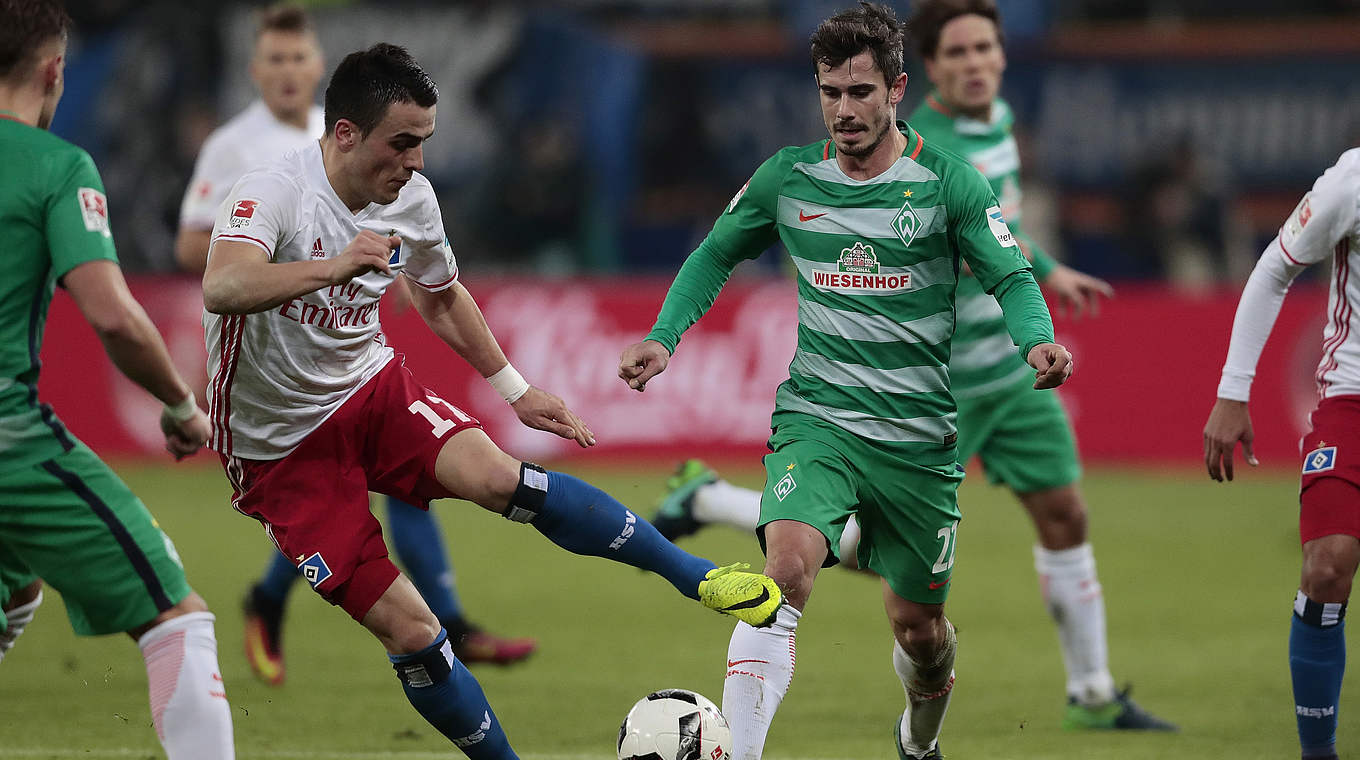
27, 25
283, 17
930, 17
871, 27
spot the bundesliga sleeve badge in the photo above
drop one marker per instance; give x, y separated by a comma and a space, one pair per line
242, 212
94, 210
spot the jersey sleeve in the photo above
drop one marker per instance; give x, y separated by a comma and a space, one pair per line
77, 218
743, 231
427, 259
261, 209
215, 171
1326, 215
978, 229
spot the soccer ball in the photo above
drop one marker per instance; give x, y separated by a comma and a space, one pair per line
675, 724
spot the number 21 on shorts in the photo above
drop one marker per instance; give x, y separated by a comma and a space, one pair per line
439, 424
949, 538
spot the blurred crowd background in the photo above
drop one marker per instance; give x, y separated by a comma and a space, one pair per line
1163, 139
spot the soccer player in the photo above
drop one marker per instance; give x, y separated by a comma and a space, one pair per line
1022, 436
1325, 225
878, 221
64, 516
287, 67
311, 408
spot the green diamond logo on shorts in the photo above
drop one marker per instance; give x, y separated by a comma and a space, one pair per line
859, 258
906, 224
785, 486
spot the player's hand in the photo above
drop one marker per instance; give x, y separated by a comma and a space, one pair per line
185, 438
1229, 422
641, 362
1052, 364
1077, 293
368, 252
542, 410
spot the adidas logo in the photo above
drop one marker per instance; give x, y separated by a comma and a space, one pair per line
317, 251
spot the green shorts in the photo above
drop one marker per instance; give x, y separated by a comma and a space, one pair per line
1022, 436
70, 521
819, 475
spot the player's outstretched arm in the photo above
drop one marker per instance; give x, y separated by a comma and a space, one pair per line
454, 316
136, 348
239, 278
1052, 364
1229, 422
1077, 293
641, 362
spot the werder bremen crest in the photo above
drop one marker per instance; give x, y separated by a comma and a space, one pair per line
906, 224
859, 258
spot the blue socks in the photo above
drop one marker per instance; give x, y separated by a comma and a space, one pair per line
278, 579
446, 695
414, 536
1317, 661
585, 520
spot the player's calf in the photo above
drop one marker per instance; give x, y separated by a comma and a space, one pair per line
188, 700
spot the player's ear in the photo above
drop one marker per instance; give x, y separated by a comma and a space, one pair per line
346, 134
52, 70
898, 90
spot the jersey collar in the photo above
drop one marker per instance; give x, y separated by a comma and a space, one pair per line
914, 143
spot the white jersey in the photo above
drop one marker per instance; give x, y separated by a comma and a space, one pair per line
1325, 225
249, 139
276, 375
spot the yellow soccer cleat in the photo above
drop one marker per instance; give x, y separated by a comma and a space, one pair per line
751, 598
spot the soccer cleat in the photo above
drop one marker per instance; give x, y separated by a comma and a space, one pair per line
752, 598
674, 517
477, 645
933, 754
264, 636
1120, 714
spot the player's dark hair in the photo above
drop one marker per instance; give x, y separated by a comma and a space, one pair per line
367, 82
25, 25
283, 17
931, 16
871, 27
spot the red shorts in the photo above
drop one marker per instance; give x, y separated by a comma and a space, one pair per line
1329, 492
314, 502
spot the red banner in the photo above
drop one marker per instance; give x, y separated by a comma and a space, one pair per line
1146, 368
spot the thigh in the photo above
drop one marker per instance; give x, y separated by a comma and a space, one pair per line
807, 480
1031, 446
1331, 452
73, 523
909, 518
314, 506
407, 427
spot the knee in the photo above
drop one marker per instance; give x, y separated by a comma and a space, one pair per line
795, 575
1327, 577
921, 630
413, 634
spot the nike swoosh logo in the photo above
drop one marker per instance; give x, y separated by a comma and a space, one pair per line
749, 603
934, 586
734, 663
805, 218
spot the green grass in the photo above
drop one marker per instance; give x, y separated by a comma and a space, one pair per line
1198, 582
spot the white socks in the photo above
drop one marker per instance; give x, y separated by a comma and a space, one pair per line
18, 618
759, 669
928, 687
723, 502
188, 703
1067, 579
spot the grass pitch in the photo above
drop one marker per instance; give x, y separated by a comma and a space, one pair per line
1198, 580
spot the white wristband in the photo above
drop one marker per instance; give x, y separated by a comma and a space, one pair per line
509, 383
184, 410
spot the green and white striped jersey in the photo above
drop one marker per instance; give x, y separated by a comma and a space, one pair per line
984, 357
878, 264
